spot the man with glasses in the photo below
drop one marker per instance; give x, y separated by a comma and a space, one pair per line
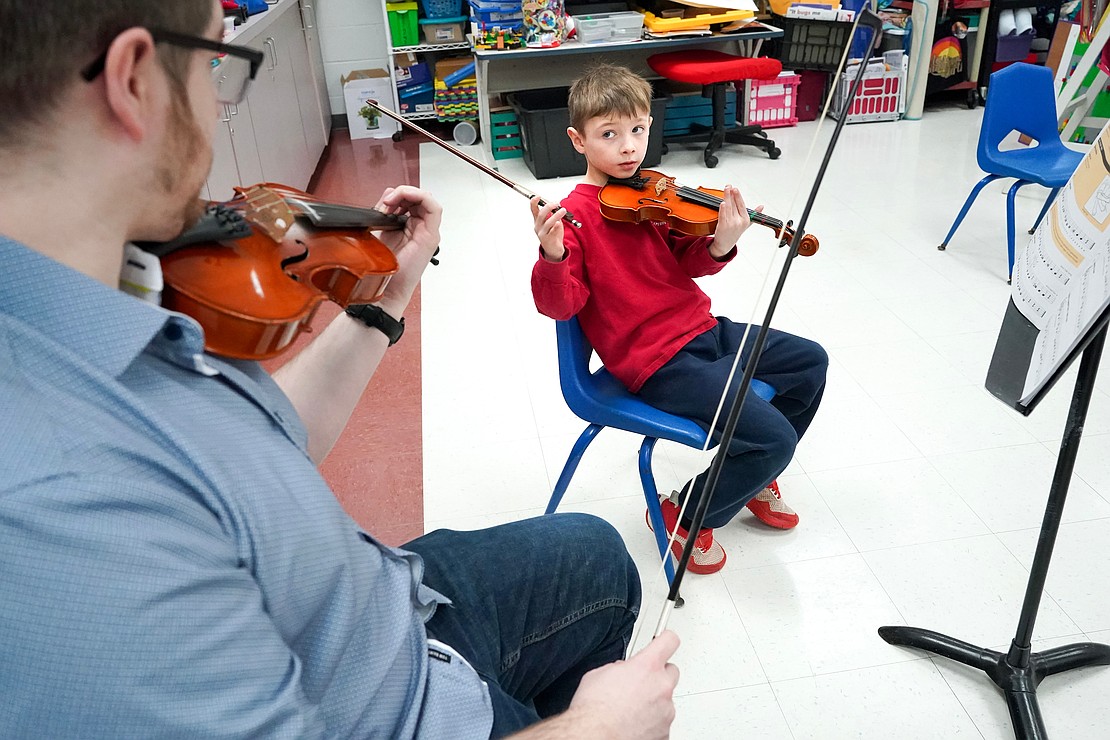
171, 562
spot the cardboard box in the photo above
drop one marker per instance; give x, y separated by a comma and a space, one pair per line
363, 85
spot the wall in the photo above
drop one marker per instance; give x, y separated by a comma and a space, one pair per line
352, 36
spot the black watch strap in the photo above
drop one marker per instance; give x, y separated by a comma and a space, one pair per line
372, 315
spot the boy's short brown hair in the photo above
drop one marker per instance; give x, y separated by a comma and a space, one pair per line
606, 89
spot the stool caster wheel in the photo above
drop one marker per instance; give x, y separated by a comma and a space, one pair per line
398, 135
710, 161
942, 247
664, 149
774, 153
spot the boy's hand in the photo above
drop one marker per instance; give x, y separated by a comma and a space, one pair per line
732, 221
549, 228
635, 697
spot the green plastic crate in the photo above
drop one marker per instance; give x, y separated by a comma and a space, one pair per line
403, 26
505, 132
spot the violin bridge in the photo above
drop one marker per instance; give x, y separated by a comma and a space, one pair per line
268, 211
661, 185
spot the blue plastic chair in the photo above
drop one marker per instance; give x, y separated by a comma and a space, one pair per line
602, 401
1021, 98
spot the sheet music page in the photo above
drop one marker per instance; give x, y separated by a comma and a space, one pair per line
1061, 280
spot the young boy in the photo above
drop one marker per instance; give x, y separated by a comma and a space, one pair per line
631, 286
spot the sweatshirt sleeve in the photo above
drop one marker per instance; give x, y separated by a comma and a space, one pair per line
559, 288
692, 253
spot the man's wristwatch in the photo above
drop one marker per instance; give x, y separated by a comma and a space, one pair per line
372, 315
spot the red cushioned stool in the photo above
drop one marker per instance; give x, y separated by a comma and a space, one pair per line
714, 70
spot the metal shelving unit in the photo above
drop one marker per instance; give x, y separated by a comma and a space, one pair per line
415, 49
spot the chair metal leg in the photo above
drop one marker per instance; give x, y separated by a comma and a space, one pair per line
967, 207
1044, 209
1010, 195
651, 496
571, 465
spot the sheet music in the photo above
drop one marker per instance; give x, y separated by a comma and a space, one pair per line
1061, 280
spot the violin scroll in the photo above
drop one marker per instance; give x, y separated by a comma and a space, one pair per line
808, 245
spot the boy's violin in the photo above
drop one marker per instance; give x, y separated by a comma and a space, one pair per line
652, 196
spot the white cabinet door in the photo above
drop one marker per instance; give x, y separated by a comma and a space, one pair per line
313, 91
274, 110
224, 174
245, 144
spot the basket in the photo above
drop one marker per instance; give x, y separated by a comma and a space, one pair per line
441, 8
882, 91
812, 44
772, 103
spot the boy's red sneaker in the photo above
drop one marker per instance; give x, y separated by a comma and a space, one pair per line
770, 509
708, 556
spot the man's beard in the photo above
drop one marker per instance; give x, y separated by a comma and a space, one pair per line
185, 141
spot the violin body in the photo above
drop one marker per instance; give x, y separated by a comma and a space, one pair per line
657, 200
254, 294
652, 196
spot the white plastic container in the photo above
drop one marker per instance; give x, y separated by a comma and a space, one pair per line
602, 28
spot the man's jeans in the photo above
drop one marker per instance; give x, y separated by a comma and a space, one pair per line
537, 604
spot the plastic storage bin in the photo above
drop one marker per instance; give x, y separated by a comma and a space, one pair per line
811, 94
547, 149
881, 95
496, 11
601, 28
685, 109
812, 44
772, 103
402, 23
441, 8
443, 30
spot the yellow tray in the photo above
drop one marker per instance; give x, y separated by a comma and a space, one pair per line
655, 23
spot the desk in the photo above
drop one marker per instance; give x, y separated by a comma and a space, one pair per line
525, 69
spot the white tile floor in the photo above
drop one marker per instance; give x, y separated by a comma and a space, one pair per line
920, 495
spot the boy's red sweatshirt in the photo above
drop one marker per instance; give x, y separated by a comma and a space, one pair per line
631, 286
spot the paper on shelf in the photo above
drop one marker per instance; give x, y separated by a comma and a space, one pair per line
1061, 280
723, 4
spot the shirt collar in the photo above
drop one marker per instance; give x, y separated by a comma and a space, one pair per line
106, 327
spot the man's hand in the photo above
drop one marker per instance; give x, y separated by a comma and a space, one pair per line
732, 221
549, 228
413, 246
633, 698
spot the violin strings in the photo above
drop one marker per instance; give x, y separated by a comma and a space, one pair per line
712, 201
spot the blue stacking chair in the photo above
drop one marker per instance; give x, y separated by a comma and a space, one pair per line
602, 401
1021, 98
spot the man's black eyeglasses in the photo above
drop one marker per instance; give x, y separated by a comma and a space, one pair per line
234, 75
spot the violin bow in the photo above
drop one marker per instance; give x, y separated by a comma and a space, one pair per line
872, 21
489, 171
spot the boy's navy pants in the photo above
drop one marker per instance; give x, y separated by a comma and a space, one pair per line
690, 385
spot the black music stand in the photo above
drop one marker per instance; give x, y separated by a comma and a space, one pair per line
1019, 670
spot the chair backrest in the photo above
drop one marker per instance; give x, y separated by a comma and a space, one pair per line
599, 398
1021, 97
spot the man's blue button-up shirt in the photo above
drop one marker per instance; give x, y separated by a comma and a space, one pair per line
171, 562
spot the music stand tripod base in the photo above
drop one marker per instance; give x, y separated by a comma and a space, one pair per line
1019, 670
